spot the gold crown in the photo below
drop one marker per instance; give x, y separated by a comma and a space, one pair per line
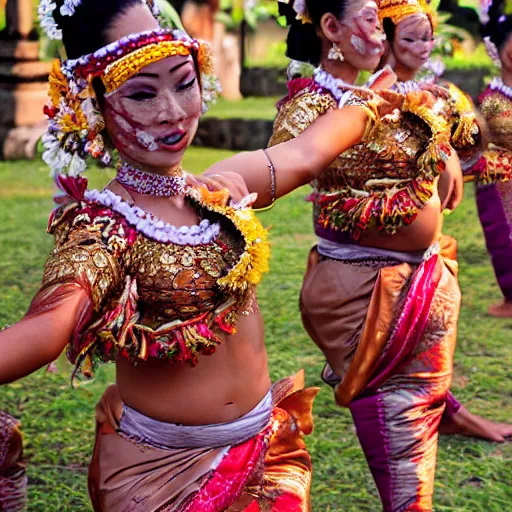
398, 10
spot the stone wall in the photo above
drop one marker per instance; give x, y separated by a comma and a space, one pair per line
235, 134
272, 81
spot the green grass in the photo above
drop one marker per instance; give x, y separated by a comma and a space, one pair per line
473, 475
247, 108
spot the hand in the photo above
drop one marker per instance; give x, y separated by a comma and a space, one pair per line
421, 98
215, 182
437, 91
389, 101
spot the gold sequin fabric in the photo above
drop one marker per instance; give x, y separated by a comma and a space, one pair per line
381, 182
86, 246
496, 162
497, 110
176, 281
466, 134
13, 479
156, 299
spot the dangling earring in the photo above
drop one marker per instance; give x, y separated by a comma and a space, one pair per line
335, 53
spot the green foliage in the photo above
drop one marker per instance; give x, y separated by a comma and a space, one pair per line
58, 422
233, 12
476, 60
248, 108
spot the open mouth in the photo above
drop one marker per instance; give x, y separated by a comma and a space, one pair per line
172, 139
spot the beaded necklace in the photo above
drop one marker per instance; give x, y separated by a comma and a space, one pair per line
151, 184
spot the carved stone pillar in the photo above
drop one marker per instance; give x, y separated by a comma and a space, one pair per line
23, 83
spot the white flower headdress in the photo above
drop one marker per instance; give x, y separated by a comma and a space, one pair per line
75, 123
300, 7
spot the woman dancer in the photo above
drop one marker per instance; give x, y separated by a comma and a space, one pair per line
174, 307
494, 200
409, 29
378, 298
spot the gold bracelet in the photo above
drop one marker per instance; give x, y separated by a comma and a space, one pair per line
272, 170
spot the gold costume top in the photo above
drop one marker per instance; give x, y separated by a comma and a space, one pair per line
156, 290
496, 107
459, 113
383, 181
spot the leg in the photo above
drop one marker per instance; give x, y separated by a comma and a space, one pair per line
493, 202
397, 423
458, 420
398, 430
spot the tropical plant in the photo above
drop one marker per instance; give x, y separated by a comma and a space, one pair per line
233, 12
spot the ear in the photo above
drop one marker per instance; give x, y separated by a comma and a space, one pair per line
331, 27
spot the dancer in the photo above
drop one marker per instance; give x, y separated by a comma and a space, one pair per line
193, 423
378, 298
409, 28
494, 200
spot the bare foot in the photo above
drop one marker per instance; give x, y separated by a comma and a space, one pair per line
467, 424
502, 310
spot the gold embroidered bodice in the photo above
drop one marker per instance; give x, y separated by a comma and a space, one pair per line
384, 180
180, 282
496, 162
497, 111
155, 293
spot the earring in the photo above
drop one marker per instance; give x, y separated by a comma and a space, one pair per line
335, 53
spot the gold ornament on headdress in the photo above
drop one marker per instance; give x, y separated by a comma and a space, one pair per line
507, 11
398, 10
127, 67
300, 7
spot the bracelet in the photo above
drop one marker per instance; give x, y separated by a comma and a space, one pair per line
272, 170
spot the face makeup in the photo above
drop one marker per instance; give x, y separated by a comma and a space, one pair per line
413, 42
153, 117
363, 38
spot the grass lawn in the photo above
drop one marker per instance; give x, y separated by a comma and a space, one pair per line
58, 422
247, 108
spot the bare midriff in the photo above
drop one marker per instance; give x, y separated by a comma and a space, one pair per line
421, 234
221, 388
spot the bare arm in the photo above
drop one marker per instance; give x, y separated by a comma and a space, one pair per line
300, 160
451, 183
38, 340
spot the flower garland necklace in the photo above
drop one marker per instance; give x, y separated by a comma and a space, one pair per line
336, 86
151, 184
498, 85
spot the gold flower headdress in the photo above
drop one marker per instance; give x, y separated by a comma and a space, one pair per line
398, 10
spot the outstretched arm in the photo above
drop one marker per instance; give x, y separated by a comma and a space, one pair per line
300, 160
38, 339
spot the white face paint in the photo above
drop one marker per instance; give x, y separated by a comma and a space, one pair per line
146, 140
362, 39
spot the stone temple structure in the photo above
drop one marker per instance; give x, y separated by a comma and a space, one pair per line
23, 82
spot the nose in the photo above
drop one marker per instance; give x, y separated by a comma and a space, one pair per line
170, 110
423, 49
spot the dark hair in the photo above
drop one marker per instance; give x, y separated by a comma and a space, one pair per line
389, 29
85, 31
499, 27
303, 42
